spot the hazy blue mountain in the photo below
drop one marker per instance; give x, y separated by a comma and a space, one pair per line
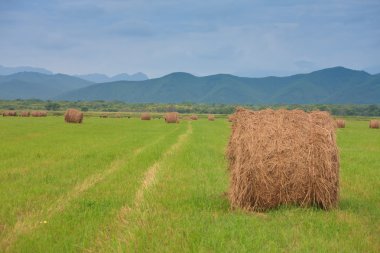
36, 85
95, 77
332, 85
101, 78
12, 70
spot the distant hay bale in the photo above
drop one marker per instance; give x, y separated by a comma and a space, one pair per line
9, 113
340, 123
145, 116
73, 116
283, 157
374, 124
171, 117
25, 114
39, 114
103, 115
211, 117
230, 118
194, 117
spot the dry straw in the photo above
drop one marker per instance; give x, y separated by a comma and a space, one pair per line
9, 113
25, 114
340, 123
194, 117
374, 124
230, 118
39, 114
145, 116
171, 117
211, 117
283, 158
73, 116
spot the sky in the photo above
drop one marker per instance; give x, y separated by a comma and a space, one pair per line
240, 37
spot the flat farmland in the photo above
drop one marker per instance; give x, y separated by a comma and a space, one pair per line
126, 185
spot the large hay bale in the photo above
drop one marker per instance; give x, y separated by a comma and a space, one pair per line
25, 114
9, 113
211, 117
171, 117
39, 114
73, 116
340, 123
194, 117
283, 158
374, 124
145, 116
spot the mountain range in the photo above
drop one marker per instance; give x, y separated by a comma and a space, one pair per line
336, 85
95, 77
26, 85
101, 78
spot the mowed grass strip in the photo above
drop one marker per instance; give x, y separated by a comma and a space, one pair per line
114, 233
77, 227
186, 209
127, 137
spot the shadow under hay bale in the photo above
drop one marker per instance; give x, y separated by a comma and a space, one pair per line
211, 117
374, 124
145, 116
73, 116
171, 117
9, 114
283, 158
25, 114
340, 123
39, 114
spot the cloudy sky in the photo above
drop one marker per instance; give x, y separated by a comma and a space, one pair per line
242, 37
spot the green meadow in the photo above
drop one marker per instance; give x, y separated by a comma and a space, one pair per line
126, 185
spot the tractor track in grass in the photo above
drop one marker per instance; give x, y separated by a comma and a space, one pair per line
147, 182
33, 220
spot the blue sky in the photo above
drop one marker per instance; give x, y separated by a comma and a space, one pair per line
242, 37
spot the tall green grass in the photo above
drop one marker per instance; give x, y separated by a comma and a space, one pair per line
43, 162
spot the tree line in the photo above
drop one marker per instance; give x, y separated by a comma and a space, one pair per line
117, 106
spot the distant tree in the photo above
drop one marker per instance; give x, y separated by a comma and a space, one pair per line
51, 106
84, 108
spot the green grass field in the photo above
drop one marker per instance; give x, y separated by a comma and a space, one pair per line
125, 185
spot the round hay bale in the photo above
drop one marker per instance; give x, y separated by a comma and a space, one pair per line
145, 116
9, 113
39, 114
211, 117
194, 117
283, 157
73, 116
230, 118
25, 114
374, 124
171, 117
340, 123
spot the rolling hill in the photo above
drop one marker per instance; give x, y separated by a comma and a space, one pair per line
27, 85
332, 85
